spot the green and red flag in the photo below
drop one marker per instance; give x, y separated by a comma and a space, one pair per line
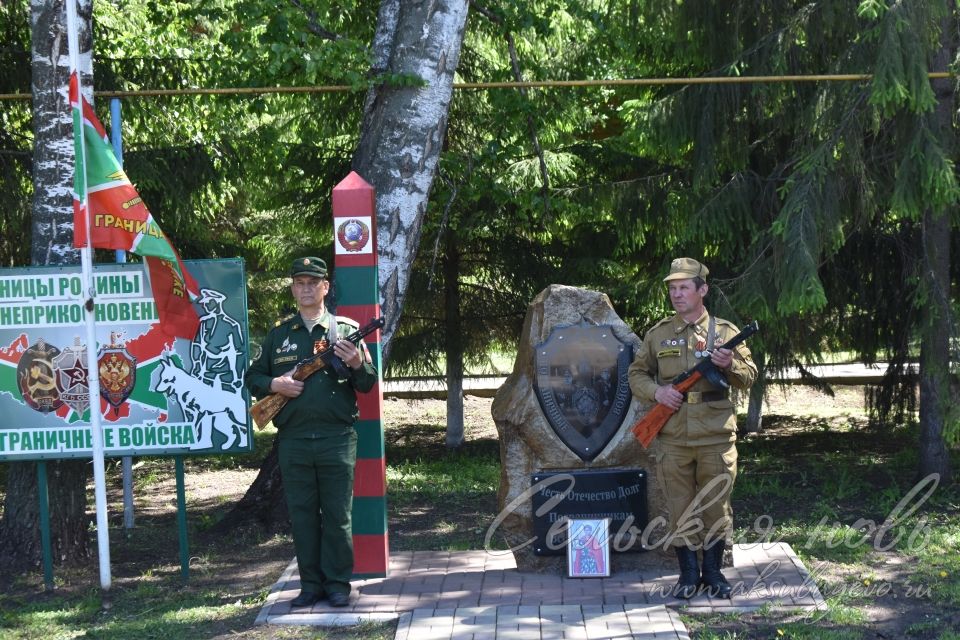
109, 209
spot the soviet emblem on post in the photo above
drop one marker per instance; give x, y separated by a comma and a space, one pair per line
353, 234
581, 383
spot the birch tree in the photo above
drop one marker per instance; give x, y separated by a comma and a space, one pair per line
51, 244
403, 132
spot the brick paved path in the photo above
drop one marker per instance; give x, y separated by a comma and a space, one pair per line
479, 594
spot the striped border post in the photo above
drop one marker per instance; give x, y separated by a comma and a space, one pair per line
358, 297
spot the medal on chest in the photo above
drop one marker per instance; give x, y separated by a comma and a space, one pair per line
701, 349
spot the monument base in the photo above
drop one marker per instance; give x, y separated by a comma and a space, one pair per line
530, 446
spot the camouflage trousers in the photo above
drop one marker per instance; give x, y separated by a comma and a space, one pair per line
697, 483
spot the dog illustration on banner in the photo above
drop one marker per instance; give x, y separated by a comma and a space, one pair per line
209, 407
210, 392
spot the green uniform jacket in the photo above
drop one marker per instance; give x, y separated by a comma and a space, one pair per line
327, 406
667, 351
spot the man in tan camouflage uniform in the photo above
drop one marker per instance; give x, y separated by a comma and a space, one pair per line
697, 458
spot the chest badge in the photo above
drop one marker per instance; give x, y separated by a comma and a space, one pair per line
286, 346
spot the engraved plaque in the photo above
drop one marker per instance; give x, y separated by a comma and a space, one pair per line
617, 494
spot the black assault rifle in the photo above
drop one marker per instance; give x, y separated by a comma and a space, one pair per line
267, 408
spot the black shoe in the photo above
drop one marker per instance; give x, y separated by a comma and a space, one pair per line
713, 579
688, 583
339, 599
306, 599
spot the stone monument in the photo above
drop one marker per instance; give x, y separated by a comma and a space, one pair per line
564, 417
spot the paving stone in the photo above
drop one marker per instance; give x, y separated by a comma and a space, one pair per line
560, 610
475, 595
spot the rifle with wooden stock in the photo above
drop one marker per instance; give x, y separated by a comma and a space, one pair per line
647, 428
268, 407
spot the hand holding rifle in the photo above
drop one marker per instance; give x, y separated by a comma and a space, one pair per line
670, 397
341, 357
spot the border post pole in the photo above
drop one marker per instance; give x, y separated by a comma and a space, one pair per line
358, 297
116, 140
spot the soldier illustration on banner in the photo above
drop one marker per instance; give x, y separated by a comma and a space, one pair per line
216, 353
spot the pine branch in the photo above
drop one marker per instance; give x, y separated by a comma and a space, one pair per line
531, 125
312, 23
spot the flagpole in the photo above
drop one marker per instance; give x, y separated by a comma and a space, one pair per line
93, 376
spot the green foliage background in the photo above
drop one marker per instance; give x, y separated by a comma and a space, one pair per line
804, 198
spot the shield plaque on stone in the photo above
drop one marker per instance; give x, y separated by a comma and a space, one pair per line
581, 383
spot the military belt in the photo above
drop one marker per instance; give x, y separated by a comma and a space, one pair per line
696, 397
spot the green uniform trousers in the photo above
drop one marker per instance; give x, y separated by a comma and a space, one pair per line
697, 482
318, 483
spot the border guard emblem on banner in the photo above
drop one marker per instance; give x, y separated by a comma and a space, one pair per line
71, 367
37, 379
118, 372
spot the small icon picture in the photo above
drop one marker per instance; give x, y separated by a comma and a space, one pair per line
588, 548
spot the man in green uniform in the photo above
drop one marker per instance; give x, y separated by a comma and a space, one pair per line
697, 460
317, 441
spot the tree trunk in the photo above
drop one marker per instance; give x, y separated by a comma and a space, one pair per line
755, 405
403, 132
400, 141
935, 278
264, 502
51, 244
454, 342
52, 215
20, 548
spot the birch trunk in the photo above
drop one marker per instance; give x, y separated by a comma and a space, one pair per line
51, 244
52, 241
403, 132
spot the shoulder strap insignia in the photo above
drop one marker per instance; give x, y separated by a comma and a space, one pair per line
666, 320
348, 321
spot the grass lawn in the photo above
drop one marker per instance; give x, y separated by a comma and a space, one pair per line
884, 547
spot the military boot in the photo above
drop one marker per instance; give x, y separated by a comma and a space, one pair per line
712, 579
688, 583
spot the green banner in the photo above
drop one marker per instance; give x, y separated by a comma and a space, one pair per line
158, 395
